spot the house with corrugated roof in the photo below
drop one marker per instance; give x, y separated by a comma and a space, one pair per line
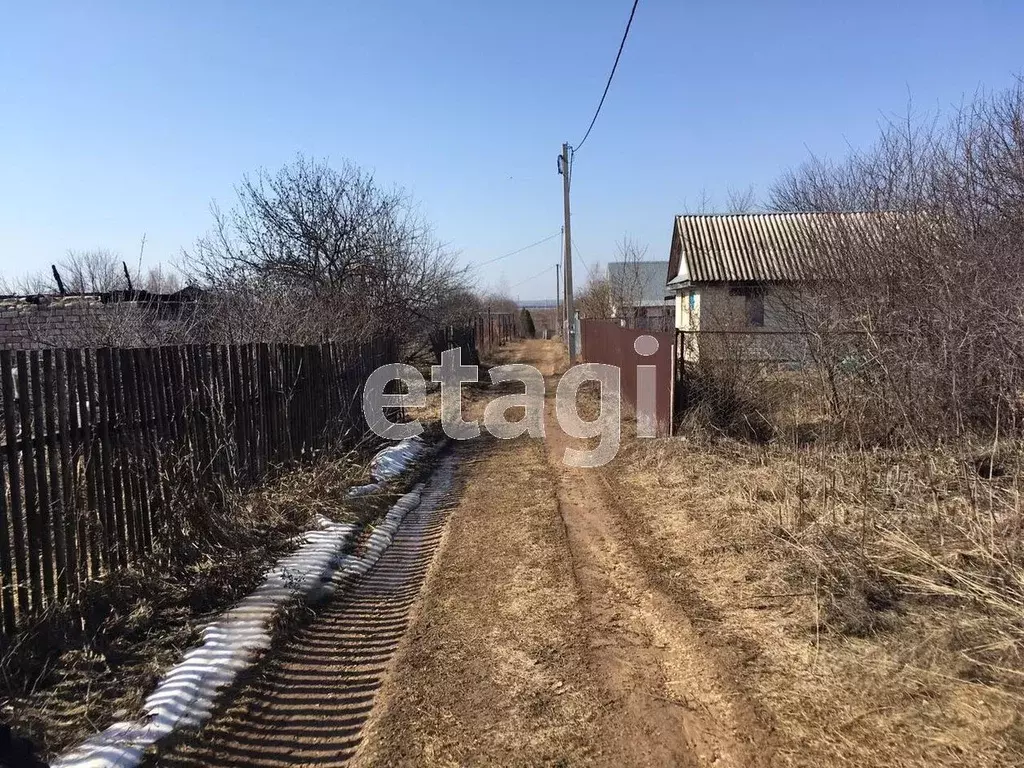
732, 270
737, 272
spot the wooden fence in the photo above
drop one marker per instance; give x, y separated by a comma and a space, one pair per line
494, 329
485, 333
97, 442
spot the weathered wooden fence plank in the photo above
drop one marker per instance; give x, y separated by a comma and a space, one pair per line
15, 507
55, 504
7, 578
69, 508
92, 525
112, 522
42, 486
33, 525
101, 444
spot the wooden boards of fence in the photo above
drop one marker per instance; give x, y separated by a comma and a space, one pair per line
98, 444
483, 334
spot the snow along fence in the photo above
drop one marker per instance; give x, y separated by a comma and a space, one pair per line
186, 695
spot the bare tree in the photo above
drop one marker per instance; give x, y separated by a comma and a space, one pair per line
160, 279
26, 285
350, 257
628, 279
741, 200
94, 271
919, 298
594, 299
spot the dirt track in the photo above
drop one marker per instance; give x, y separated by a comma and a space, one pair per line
538, 638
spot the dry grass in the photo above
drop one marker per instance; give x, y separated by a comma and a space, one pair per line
81, 667
878, 597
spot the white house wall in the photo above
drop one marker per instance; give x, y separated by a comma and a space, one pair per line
716, 308
688, 310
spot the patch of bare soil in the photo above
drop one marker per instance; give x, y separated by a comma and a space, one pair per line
492, 671
669, 688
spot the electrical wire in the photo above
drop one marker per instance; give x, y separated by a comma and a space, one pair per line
539, 274
518, 250
576, 251
610, 76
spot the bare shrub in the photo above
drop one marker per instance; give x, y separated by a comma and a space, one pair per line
313, 252
627, 284
594, 299
95, 271
923, 290
726, 393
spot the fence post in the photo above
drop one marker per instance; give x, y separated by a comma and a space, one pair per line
94, 440
18, 526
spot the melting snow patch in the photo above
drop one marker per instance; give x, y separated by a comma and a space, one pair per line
380, 539
390, 462
185, 695
395, 459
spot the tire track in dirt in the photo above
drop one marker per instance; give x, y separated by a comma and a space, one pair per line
309, 705
540, 640
665, 684
492, 671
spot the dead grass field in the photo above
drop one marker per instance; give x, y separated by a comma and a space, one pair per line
872, 606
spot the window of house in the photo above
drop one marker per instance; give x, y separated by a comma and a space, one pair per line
753, 298
755, 308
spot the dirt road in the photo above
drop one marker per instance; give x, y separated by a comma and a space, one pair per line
537, 638
540, 639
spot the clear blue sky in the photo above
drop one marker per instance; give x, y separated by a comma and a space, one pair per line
118, 119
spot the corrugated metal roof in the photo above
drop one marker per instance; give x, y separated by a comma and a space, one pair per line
757, 247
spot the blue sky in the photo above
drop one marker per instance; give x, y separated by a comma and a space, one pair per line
118, 119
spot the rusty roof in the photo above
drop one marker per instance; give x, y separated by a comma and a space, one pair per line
756, 247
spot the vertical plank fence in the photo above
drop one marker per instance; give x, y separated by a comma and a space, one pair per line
486, 333
96, 443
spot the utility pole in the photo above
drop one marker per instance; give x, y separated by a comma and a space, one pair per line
564, 169
558, 295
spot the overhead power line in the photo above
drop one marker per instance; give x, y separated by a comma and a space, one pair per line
610, 76
518, 250
576, 250
539, 274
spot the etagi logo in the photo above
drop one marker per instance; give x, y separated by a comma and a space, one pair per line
451, 374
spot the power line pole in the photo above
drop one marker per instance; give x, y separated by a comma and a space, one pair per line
558, 295
564, 168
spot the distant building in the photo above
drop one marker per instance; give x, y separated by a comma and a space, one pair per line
639, 295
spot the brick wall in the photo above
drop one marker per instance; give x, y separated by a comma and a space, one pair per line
87, 321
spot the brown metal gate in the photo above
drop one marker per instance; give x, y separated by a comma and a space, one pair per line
605, 341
